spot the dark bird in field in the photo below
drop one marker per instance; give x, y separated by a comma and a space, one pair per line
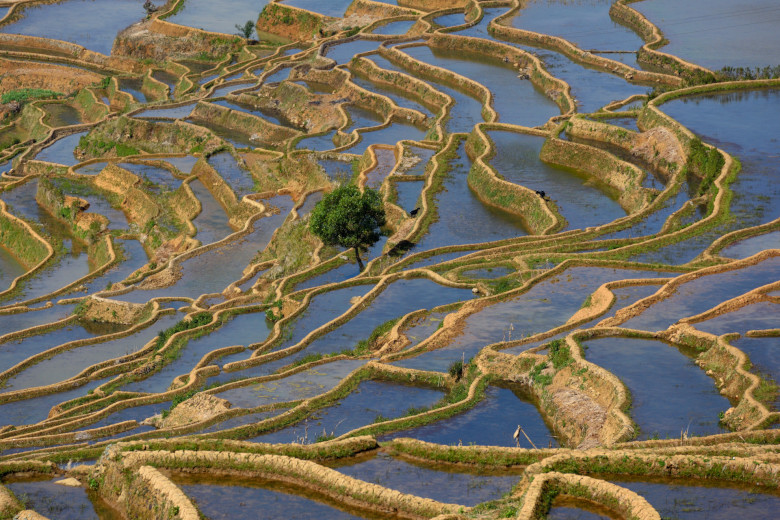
540, 193
414, 212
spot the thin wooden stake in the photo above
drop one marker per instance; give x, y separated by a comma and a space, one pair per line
529, 438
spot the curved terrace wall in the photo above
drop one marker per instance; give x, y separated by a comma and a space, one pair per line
136, 203
302, 473
554, 88
599, 164
239, 211
66, 51
18, 237
132, 474
653, 37
498, 29
266, 133
658, 146
50, 76
179, 137
502, 194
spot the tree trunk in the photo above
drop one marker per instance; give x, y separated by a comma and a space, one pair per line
357, 257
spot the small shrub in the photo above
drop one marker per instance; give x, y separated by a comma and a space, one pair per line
456, 370
560, 355
271, 313
246, 30
81, 308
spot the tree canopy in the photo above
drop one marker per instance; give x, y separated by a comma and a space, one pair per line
348, 218
246, 29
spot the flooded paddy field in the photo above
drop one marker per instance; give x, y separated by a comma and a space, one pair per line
462, 218
206, 16
237, 498
90, 24
431, 481
689, 402
586, 24
368, 403
691, 32
690, 499
517, 160
488, 423
526, 268
57, 501
517, 102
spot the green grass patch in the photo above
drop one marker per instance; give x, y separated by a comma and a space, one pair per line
27, 94
365, 346
539, 378
707, 161
560, 354
197, 320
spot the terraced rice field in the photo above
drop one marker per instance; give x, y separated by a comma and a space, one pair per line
572, 310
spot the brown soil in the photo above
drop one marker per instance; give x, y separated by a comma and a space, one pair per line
303, 109
8, 110
143, 41
164, 278
112, 311
658, 143
355, 20
7, 502
89, 221
69, 482
169, 249
584, 411
16, 74
199, 408
408, 161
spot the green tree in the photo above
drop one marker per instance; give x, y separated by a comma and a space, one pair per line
246, 29
348, 218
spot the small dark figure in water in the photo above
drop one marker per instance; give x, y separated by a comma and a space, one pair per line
414, 212
540, 193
